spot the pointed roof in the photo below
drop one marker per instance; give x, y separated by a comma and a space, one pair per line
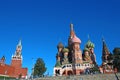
20, 42
19, 45
105, 50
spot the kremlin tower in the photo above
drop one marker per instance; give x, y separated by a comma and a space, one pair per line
17, 57
15, 69
17, 62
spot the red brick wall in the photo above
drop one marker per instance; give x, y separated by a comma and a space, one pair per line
13, 70
24, 72
16, 63
8, 69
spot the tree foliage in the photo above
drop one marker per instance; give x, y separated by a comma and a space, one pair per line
116, 54
39, 68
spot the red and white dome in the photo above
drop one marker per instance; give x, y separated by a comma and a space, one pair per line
75, 39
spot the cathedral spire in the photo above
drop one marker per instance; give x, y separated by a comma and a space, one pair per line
105, 50
72, 33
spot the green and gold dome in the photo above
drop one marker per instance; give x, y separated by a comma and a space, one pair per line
89, 44
65, 50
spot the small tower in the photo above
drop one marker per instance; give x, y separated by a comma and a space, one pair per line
107, 61
17, 57
65, 57
59, 55
60, 46
2, 60
105, 52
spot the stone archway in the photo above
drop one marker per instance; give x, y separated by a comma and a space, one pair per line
64, 73
69, 72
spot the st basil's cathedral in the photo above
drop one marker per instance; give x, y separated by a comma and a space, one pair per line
71, 60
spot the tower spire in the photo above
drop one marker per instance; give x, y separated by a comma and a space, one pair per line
72, 33
20, 42
18, 50
105, 50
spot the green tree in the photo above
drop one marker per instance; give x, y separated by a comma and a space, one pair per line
116, 55
39, 68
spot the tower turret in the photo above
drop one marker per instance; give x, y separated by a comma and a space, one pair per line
2, 60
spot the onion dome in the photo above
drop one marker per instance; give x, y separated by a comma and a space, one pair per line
75, 39
60, 45
86, 49
65, 50
90, 44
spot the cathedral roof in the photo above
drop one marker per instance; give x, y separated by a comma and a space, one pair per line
75, 39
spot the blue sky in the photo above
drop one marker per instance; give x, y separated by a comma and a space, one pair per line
42, 24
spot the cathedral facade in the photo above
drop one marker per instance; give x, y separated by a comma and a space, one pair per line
71, 60
15, 69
